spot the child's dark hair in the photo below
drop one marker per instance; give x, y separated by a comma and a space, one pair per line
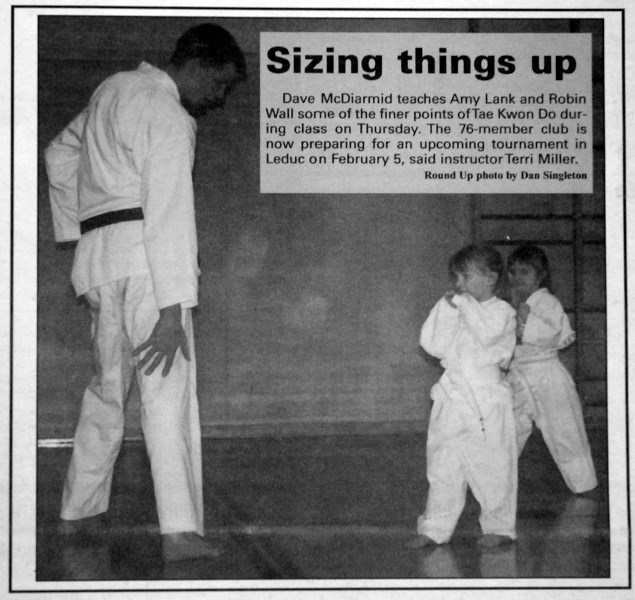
535, 257
484, 257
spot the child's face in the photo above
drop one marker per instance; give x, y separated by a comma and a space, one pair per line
523, 279
476, 282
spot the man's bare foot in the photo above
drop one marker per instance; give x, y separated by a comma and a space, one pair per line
494, 540
421, 541
187, 545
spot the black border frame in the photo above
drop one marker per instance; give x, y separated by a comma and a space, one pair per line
91, 7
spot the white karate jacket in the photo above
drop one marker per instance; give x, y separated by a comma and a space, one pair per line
132, 146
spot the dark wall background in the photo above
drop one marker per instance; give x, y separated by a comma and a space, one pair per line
310, 305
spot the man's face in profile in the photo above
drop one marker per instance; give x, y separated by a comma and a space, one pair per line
208, 89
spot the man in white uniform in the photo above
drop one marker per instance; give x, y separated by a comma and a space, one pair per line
120, 181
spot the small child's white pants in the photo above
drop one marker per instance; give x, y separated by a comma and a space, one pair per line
544, 393
124, 314
462, 451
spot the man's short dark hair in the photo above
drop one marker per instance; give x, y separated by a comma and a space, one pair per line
212, 45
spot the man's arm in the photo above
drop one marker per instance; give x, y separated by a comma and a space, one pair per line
62, 159
164, 151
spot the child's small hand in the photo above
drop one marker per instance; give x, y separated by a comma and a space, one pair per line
448, 298
517, 298
522, 312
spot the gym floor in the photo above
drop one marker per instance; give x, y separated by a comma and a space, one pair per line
328, 507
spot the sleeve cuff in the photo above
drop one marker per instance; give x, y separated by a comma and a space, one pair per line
186, 298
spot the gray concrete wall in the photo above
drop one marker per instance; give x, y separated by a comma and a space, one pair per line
310, 305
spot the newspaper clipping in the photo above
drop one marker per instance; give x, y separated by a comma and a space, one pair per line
397, 235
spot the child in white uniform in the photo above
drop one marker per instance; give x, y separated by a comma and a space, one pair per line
471, 436
544, 392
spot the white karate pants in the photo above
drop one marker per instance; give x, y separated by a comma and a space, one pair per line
544, 393
124, 314
460, 453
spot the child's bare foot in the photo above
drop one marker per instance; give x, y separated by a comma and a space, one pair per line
494, 540
187, 545
421, 541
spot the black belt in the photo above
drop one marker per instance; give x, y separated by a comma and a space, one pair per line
115, 216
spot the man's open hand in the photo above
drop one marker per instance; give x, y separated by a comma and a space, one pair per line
164, 341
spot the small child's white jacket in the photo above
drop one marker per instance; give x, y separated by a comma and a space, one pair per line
471, 437
474, 341
547, 329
